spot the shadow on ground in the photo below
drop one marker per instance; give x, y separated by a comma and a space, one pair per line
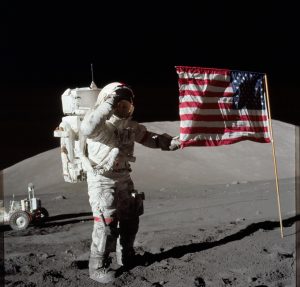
148, 258
179, 251
176, 252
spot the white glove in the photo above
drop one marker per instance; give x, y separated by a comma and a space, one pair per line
167, 142
175, 143
112, 99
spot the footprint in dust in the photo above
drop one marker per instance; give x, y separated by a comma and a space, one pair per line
229, 282
282, 255
53, 276
199, 282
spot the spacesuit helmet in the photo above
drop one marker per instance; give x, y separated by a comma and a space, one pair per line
115, 88
124, 96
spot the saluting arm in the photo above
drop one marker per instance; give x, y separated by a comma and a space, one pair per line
94, 121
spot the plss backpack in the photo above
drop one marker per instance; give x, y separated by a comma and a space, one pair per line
75, 103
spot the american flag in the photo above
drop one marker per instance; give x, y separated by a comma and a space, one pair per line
221, 107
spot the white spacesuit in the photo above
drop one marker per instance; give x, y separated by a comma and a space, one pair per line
115, 204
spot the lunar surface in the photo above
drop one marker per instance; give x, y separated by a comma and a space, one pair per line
211, 218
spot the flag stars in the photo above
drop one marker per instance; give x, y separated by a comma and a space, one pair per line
248, 90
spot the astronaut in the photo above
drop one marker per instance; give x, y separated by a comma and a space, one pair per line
115, 204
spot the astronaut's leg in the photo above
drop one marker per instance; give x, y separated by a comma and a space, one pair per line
125, 250
102, 201
129, 208
102, 244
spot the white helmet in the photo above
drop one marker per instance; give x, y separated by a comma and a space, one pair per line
115, 88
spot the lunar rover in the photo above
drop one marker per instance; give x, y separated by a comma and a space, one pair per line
22, 213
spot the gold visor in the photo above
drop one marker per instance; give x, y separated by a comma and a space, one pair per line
124, 109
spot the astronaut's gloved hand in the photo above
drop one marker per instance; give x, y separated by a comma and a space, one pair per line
175, 143
112, 99
167, 142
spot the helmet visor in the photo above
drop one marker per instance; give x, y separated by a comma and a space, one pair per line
124, 109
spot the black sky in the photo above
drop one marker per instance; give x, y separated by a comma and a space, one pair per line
47, 48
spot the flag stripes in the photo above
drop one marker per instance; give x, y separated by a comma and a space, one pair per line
208, 107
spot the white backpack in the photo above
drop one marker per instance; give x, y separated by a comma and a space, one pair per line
75, 103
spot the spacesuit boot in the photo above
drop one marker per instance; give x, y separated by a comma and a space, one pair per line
99, 270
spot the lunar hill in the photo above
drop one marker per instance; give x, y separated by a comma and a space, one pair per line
244, 161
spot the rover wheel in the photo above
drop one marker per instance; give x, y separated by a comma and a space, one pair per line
19, 220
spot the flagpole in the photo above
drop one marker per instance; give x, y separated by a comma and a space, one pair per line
274, 156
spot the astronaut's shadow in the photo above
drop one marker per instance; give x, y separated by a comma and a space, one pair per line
68, 216
177, 252
64, 219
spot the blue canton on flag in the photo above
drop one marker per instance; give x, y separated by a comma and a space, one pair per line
248, 90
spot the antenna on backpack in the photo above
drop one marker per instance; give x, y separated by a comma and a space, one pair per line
92, 85
92, 71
